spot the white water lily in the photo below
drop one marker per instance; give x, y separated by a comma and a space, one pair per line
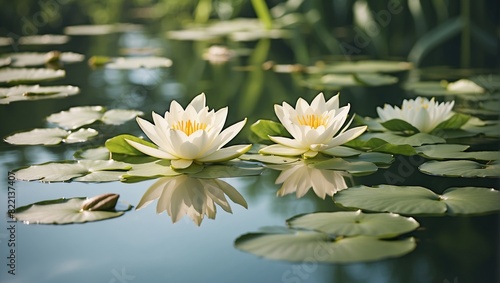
314, 128
464, 86
421, 113
191, 135
300, 178
184, 195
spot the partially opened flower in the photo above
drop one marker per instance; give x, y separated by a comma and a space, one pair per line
183, 195
421, 113
314, 128
299, 178
191, 135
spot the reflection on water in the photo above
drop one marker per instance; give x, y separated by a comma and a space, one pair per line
184, 195
299, 177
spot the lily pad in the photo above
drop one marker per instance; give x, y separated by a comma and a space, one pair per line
353, 223
455, 151
119, 145
81, 170
339, 81
5, 61
65, 211
50, 136
96, 153
76, 117
131, 62
269, 159
89, 30
18, 75
413, 200
490, 82
417, 139
5, 41
380, 145
45, 39
262, 129
29, 59
311, 246
357, 168
437, 88
368, 66
35, 92
461, 168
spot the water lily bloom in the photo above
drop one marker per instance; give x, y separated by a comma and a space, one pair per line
191, 135
421, 113
315, 128
183, 195
464, 86
300, 178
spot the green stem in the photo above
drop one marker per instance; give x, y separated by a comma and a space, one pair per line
465, 39
262, 12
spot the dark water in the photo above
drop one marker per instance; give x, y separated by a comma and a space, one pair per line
144, 247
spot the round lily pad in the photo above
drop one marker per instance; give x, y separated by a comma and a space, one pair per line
5, 41
45, 39
29, 59
138, 62
455, 151
65, 211
76, 117
35, 92
96, 153
50, 136
353, 223
18, 75
81, 170
311, 246
5, 61
368, 66
414, 200
462, 168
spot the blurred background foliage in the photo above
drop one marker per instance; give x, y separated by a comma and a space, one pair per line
461, 33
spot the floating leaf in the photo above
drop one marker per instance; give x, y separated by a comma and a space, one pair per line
339, 81
89, 30
17, 75
45, 39
5, 41
119, 145
50, 136
380, 145
373, 157
368, 66
461, 168
398, 125
35, 92
491, 82
265, 128
131, 62
375, 79
417, 139
97, 153
413, 200
342, 151
81, 170
437, 88
269, 159
310, 246
76, 117
353, 167
65, 211
353, 223
454, 122
455, 151
28, 59
5, 61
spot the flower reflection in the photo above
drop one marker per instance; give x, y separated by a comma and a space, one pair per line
300, 177
195, 197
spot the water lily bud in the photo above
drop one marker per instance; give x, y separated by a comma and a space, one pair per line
52, 56
101, 202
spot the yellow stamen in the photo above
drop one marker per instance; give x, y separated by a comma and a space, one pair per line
189, 127
313, 121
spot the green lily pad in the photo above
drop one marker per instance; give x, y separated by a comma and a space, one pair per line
45, 39
339, 81
380, 145
6, 41
436, 88
413, 200
461, 168
455, 151
29, 59
262, 129
131, 62
81, 170
257, 34
96, 153
119, 145
18, 75
35, 92
5, 61
76, 117
353, 223
490, 82
269, 159
50, 136
417, 139
65, 211
89, 30
311, 246
354, 167
368, 66
374, 79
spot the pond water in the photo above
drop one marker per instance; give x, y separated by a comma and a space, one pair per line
143, 246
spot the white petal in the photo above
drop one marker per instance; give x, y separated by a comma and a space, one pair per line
277, 149
228, 134
318, 102
181, 163
198, 102
226, 154
333, 103
150, 150
347, 136
150, 131
286, 141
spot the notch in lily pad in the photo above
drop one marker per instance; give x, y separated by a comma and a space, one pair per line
72, 210
415, 200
